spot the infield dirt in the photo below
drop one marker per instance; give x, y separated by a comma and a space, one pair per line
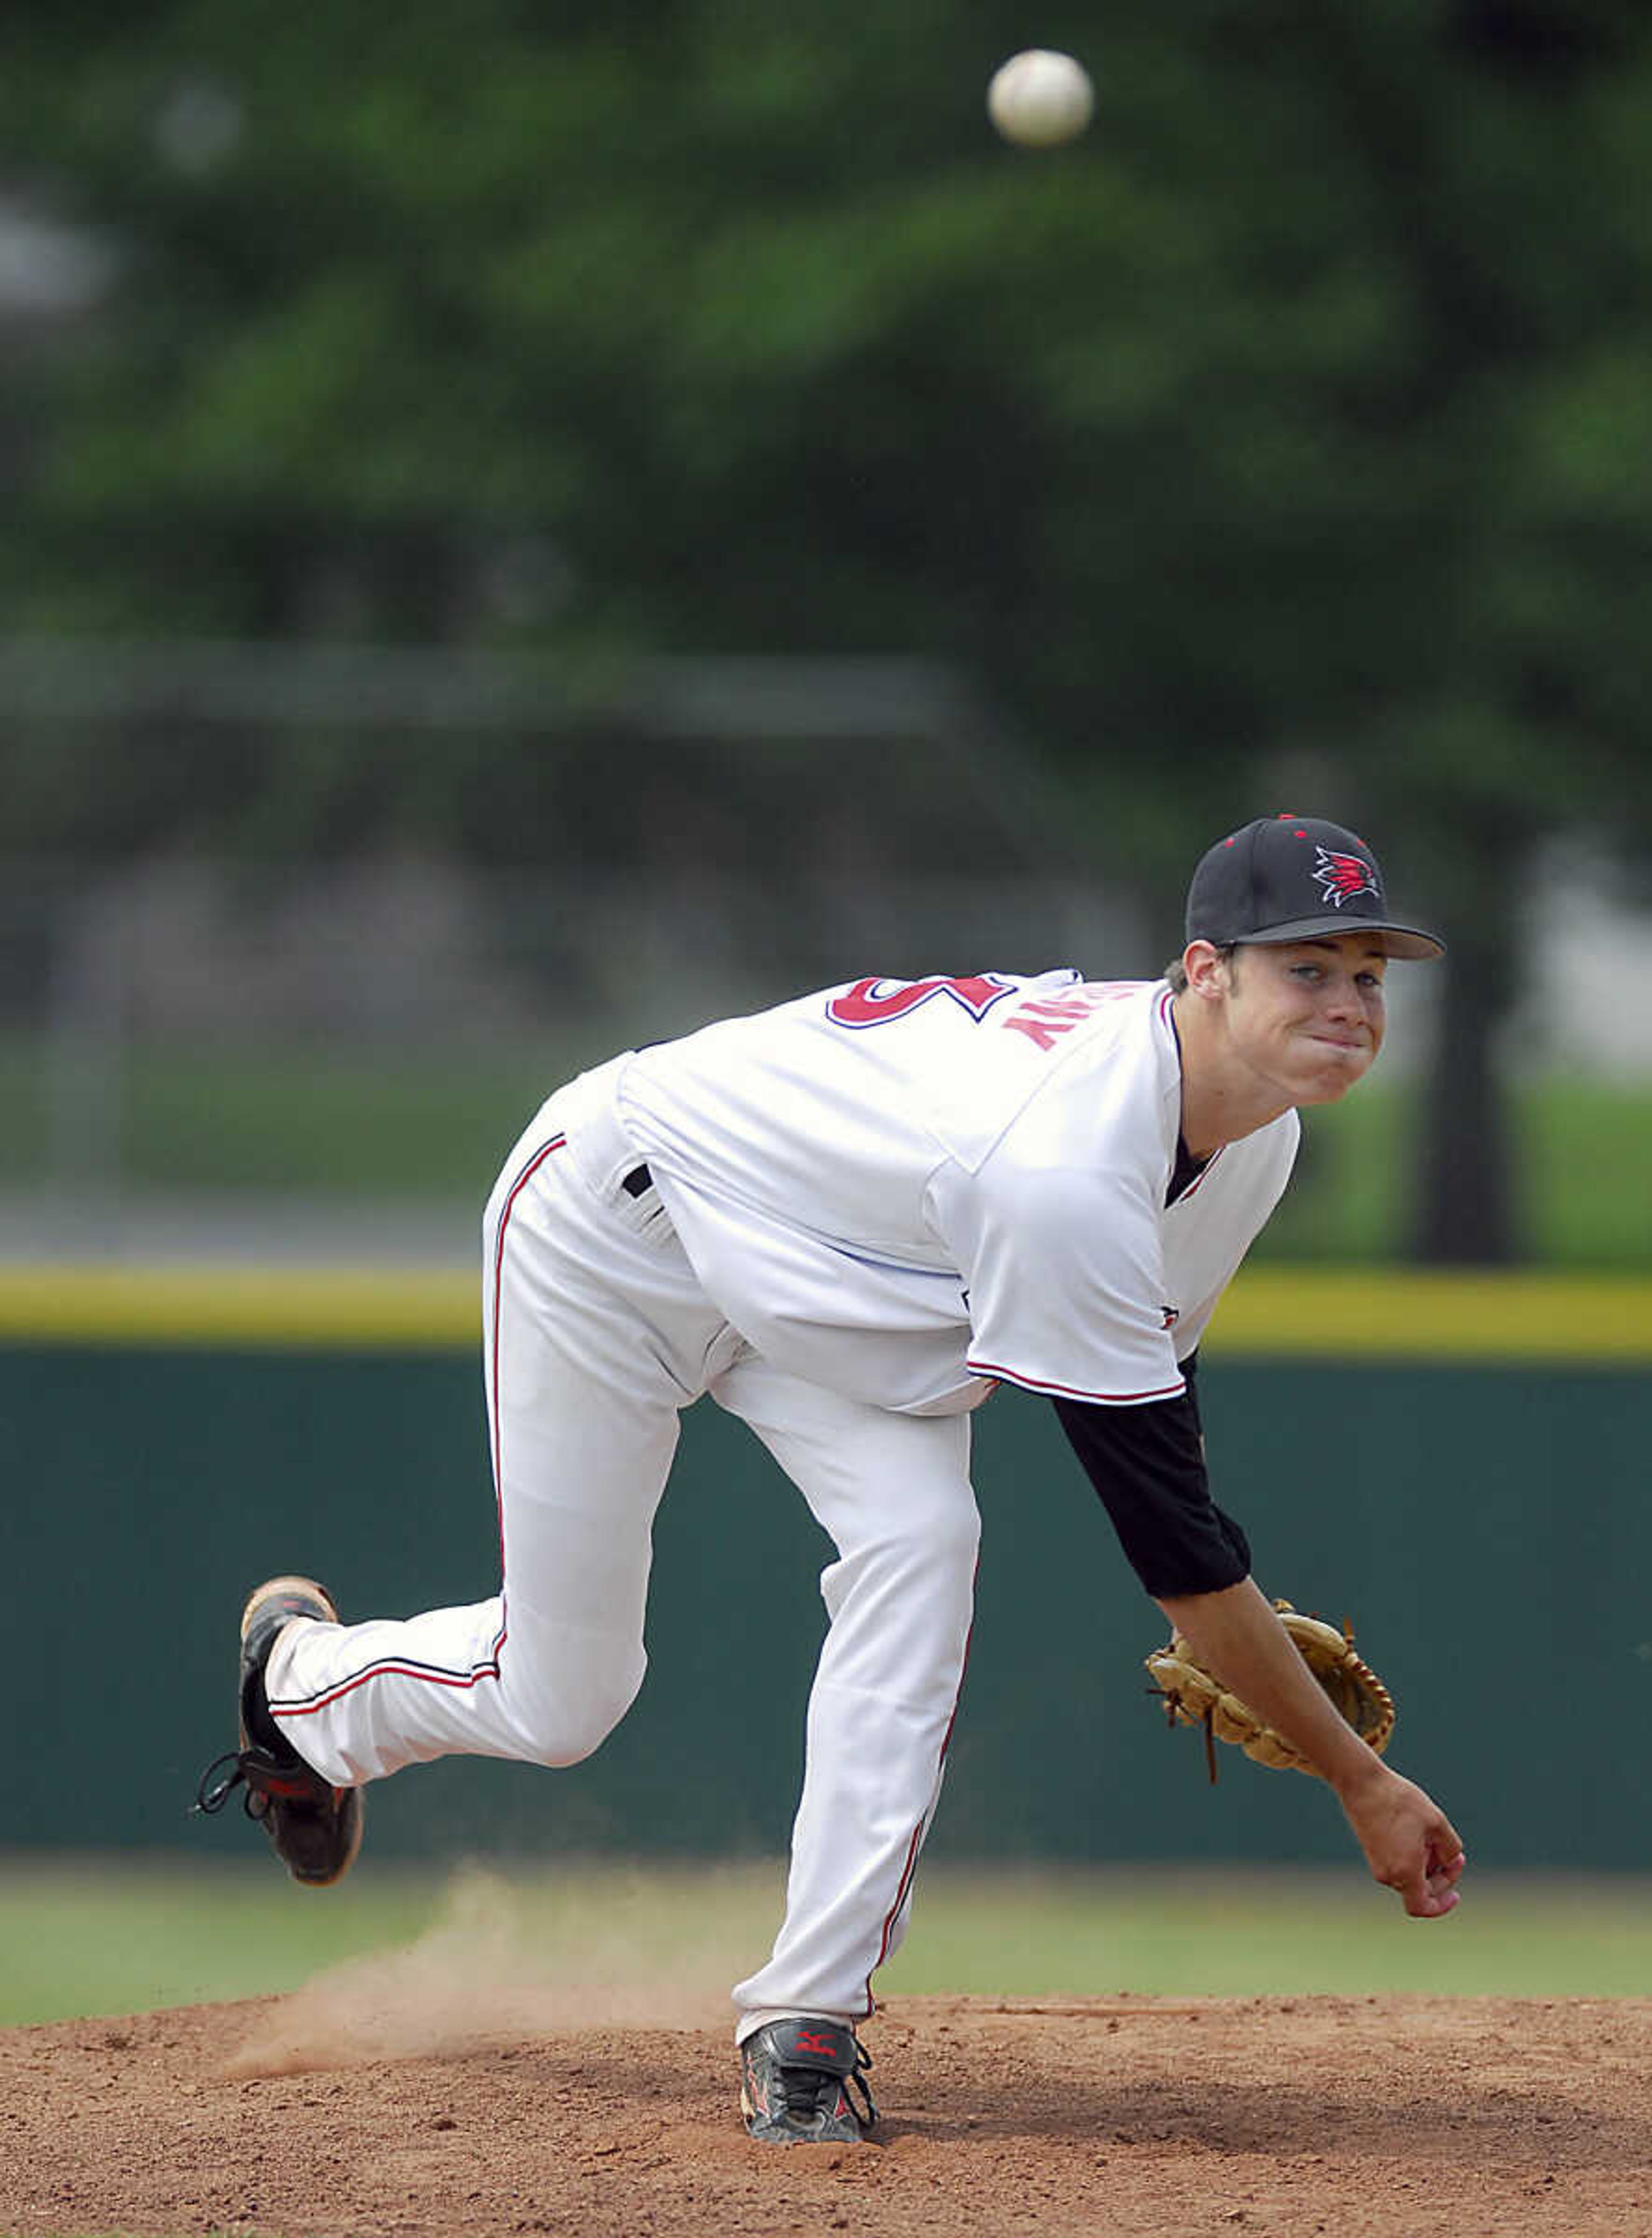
1365, 2117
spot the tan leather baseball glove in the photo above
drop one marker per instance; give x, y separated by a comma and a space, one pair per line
1194, 1696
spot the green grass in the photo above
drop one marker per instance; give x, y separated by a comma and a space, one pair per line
130, 1937
435, 1125
1577, 1143
330, 1121
1351, 1198
1252, 1932
115, 1937
429, 1124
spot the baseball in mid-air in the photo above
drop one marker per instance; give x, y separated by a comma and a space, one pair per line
1040, 98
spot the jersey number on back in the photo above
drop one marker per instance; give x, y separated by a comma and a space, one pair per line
874, 1001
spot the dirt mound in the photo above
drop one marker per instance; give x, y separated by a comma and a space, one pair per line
1361, 2117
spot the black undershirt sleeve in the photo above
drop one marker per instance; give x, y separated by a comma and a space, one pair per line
1147, 1464
1190, 1376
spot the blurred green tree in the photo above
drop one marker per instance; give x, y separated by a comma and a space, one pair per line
1286, 440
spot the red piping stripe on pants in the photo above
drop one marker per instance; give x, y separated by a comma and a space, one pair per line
434, 1675
913, 1846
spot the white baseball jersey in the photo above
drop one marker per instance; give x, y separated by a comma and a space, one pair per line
866, 1206
910, 1190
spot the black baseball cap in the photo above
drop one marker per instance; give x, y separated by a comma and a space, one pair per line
1296, 877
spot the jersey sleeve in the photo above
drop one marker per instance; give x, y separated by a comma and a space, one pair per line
1147, 1466
1063, 1273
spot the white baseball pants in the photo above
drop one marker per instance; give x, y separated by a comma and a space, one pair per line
596, 1336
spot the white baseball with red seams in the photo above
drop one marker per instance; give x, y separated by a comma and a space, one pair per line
863, 1210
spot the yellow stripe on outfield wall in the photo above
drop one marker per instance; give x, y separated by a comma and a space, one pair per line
427, 1309
1271, 1312
1368, 1314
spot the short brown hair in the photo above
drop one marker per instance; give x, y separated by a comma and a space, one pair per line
1176, 970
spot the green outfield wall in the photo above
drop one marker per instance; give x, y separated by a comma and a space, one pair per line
1484, 1516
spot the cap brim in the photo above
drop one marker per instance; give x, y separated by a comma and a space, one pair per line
1407, 941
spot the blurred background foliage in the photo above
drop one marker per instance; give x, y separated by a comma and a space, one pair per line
1289, 440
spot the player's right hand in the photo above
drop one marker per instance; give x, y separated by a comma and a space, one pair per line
1409, 1843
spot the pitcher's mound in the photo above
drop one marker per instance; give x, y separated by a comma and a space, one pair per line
1140, 2117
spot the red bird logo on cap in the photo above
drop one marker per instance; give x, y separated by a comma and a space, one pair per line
1343, 877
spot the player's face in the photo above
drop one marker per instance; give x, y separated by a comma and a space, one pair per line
1307, 1018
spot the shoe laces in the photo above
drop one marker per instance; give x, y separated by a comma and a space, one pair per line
265, 1780
218, 1783
856, 2081
804, 2087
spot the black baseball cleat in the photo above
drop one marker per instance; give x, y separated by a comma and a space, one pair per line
314, 1827
795, 2078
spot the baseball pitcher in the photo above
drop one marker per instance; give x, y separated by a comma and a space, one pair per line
848, 1220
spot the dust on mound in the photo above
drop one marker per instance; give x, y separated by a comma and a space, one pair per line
494, 1968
